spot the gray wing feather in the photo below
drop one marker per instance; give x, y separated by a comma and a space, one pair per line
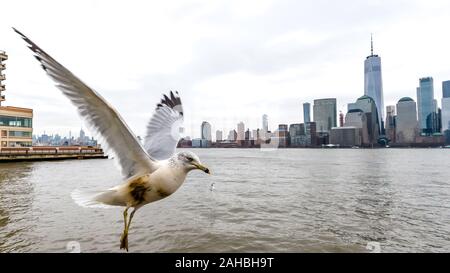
117, 139
163, 129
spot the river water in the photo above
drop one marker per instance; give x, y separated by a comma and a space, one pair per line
290, 200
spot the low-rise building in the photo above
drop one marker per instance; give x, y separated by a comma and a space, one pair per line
345, 136
16, 127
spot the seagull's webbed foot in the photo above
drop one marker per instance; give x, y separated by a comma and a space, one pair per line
124, 240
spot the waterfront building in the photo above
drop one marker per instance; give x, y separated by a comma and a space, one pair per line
200, 143
323, 138
282, 135
446, 89
240, 131
438, 121
447, 136
16, 127
445, 114
296, 133
206, 131
341, 119
255, 135
219, 136
325, 114
357, 118
232, 136
406, 121
185, 143
373, 84
445, 111
310, 137
265, 123
345, 136
306, 112
390, 122
369, 122
426, 106
249, 142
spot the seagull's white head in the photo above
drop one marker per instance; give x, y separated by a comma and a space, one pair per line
190, 161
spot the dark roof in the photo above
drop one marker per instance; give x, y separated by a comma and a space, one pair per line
355, 111
365, 97
405, 99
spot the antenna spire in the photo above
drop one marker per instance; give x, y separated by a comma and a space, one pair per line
371, 44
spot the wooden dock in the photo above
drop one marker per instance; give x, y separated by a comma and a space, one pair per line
41, 153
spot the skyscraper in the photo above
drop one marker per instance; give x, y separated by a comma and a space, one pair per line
445, 113
446, 89
406, 121
373, 83
283, 135
265, 123
219, 136
297, 133
232, 135
390, 122
240, 131
341, 119
206, 131
426, 105
306, 112
325, 114
371, 124
82, 134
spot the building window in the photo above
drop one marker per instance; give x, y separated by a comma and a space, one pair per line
19, 134
20, 144
16, 121
4, 133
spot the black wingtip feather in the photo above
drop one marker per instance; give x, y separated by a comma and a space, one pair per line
18, 32
171, 102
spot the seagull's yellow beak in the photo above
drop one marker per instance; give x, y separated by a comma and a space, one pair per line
201, 167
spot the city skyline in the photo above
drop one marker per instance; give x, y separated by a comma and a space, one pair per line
218, 75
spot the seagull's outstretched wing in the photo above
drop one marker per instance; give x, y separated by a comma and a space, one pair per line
116, 137
163, 129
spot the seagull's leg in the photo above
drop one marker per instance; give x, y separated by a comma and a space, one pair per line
127, 228
124, 237
131, 217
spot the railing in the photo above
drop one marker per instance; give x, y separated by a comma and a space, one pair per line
50, 150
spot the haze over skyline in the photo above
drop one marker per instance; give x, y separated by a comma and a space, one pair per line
231, 61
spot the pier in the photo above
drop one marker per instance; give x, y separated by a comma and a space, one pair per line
41, 153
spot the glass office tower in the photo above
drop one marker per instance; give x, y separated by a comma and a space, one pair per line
426, 106
373, 84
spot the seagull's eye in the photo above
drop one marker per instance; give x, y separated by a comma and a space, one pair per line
190, 159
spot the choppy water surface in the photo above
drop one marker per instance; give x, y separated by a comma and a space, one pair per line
295, 200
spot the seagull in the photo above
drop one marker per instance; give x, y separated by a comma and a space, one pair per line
151, 172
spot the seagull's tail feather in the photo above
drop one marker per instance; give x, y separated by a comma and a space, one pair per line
96, 199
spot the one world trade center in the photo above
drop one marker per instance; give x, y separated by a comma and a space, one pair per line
373, 84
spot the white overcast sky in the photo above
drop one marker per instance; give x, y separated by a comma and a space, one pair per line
230, 60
